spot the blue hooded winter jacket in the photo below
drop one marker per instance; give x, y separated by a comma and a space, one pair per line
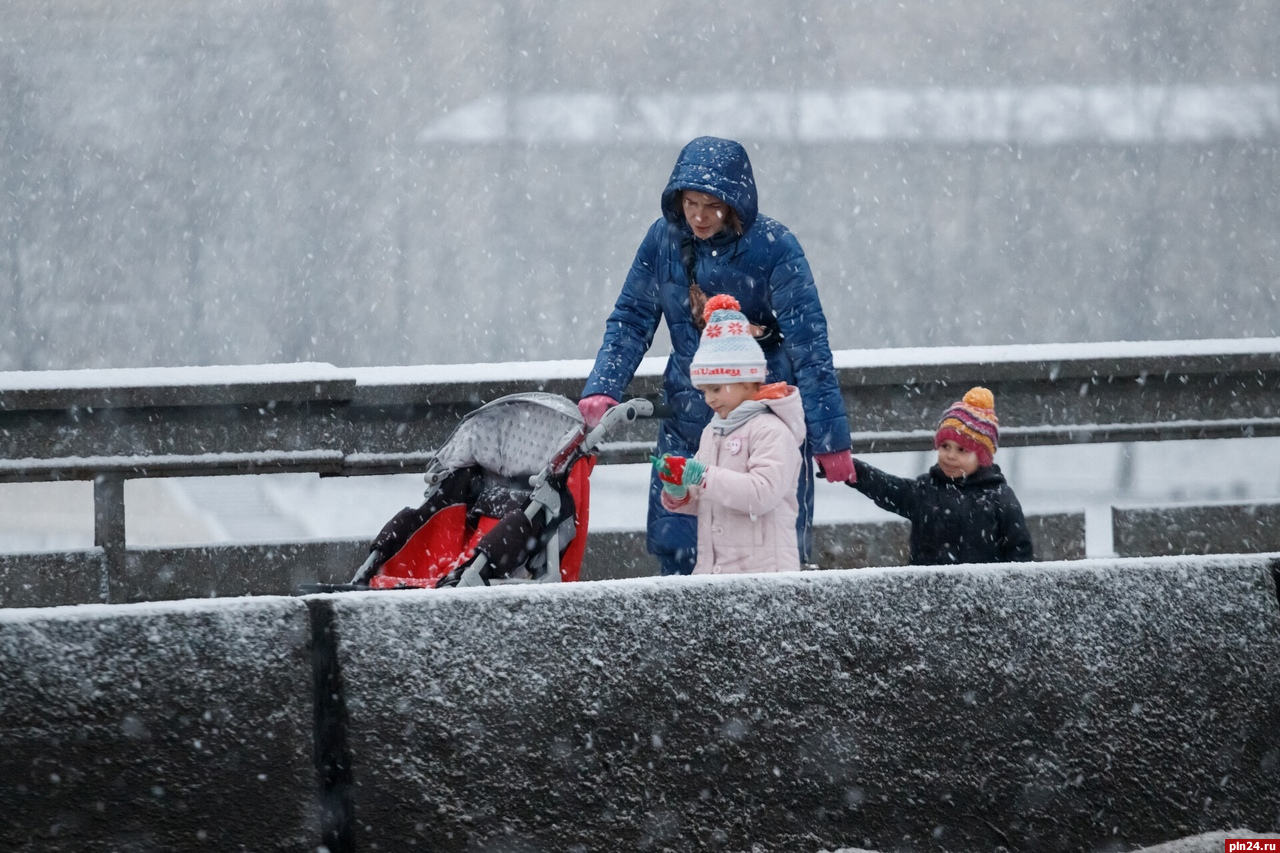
766, 271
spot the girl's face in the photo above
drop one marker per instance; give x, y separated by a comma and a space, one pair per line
955, 461
723, 399
704, 212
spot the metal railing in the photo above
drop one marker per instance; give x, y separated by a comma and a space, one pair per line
112, 425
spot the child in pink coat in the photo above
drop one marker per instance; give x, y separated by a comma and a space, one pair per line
741, 484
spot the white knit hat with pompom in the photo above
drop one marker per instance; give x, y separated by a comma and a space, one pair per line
727, 352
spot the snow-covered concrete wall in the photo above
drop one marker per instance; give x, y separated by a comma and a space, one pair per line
1211, 529
1084, 705
1095, 704
178, 726
277, 568
52, 579
281, 568
615, 554
165, 573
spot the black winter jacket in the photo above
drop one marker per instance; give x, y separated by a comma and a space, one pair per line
973, 519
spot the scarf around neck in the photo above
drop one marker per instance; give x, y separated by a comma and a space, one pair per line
738, 417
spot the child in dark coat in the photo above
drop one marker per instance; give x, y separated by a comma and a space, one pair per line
962, 510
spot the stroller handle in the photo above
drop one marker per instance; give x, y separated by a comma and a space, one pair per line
616, 416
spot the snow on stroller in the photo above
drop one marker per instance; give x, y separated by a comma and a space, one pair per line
507, 499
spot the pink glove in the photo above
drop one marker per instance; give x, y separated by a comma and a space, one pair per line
594, 407
837, 466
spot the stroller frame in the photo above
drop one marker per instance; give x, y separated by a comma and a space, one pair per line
544, 505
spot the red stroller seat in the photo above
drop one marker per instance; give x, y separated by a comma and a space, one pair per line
507, 499
494, 522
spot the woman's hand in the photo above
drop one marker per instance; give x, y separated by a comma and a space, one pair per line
594, 407
837, 466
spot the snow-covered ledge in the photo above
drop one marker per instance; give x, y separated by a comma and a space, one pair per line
162, 726
1086, 705
231, 419
1097, 704
204, 385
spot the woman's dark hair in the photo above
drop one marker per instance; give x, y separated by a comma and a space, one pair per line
731, 220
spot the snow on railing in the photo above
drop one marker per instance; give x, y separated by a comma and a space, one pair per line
114, 424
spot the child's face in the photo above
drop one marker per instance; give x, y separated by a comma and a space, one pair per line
955, 461
723, 399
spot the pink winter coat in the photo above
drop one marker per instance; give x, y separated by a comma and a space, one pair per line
746, 504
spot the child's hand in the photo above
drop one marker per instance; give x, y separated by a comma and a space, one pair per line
677, 473
670, 479
661, 465
678, 470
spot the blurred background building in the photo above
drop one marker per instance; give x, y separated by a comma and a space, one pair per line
368, 183
372, 183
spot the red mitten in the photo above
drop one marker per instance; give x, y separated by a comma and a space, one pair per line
594, 407
837, 466
672, 470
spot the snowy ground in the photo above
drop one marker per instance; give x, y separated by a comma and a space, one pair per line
56, 516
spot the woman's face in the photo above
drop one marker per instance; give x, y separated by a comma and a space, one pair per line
704, 212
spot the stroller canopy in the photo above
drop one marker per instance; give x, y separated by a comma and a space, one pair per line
514, 436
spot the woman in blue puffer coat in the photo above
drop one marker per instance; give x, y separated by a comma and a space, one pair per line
711, 239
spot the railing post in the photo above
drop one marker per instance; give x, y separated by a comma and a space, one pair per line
108, 528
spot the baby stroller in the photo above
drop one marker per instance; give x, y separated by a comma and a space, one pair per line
507, 500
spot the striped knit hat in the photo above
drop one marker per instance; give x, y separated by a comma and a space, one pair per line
727, 352
972, 424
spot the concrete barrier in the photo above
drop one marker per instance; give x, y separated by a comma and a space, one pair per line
171, 573
622, 554
1212, 529
230, 570
168, 574
617, 554
1085, 705
1056, 536
178, 726
52, 579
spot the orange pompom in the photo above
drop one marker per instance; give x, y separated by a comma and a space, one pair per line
719, 302
980, 398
